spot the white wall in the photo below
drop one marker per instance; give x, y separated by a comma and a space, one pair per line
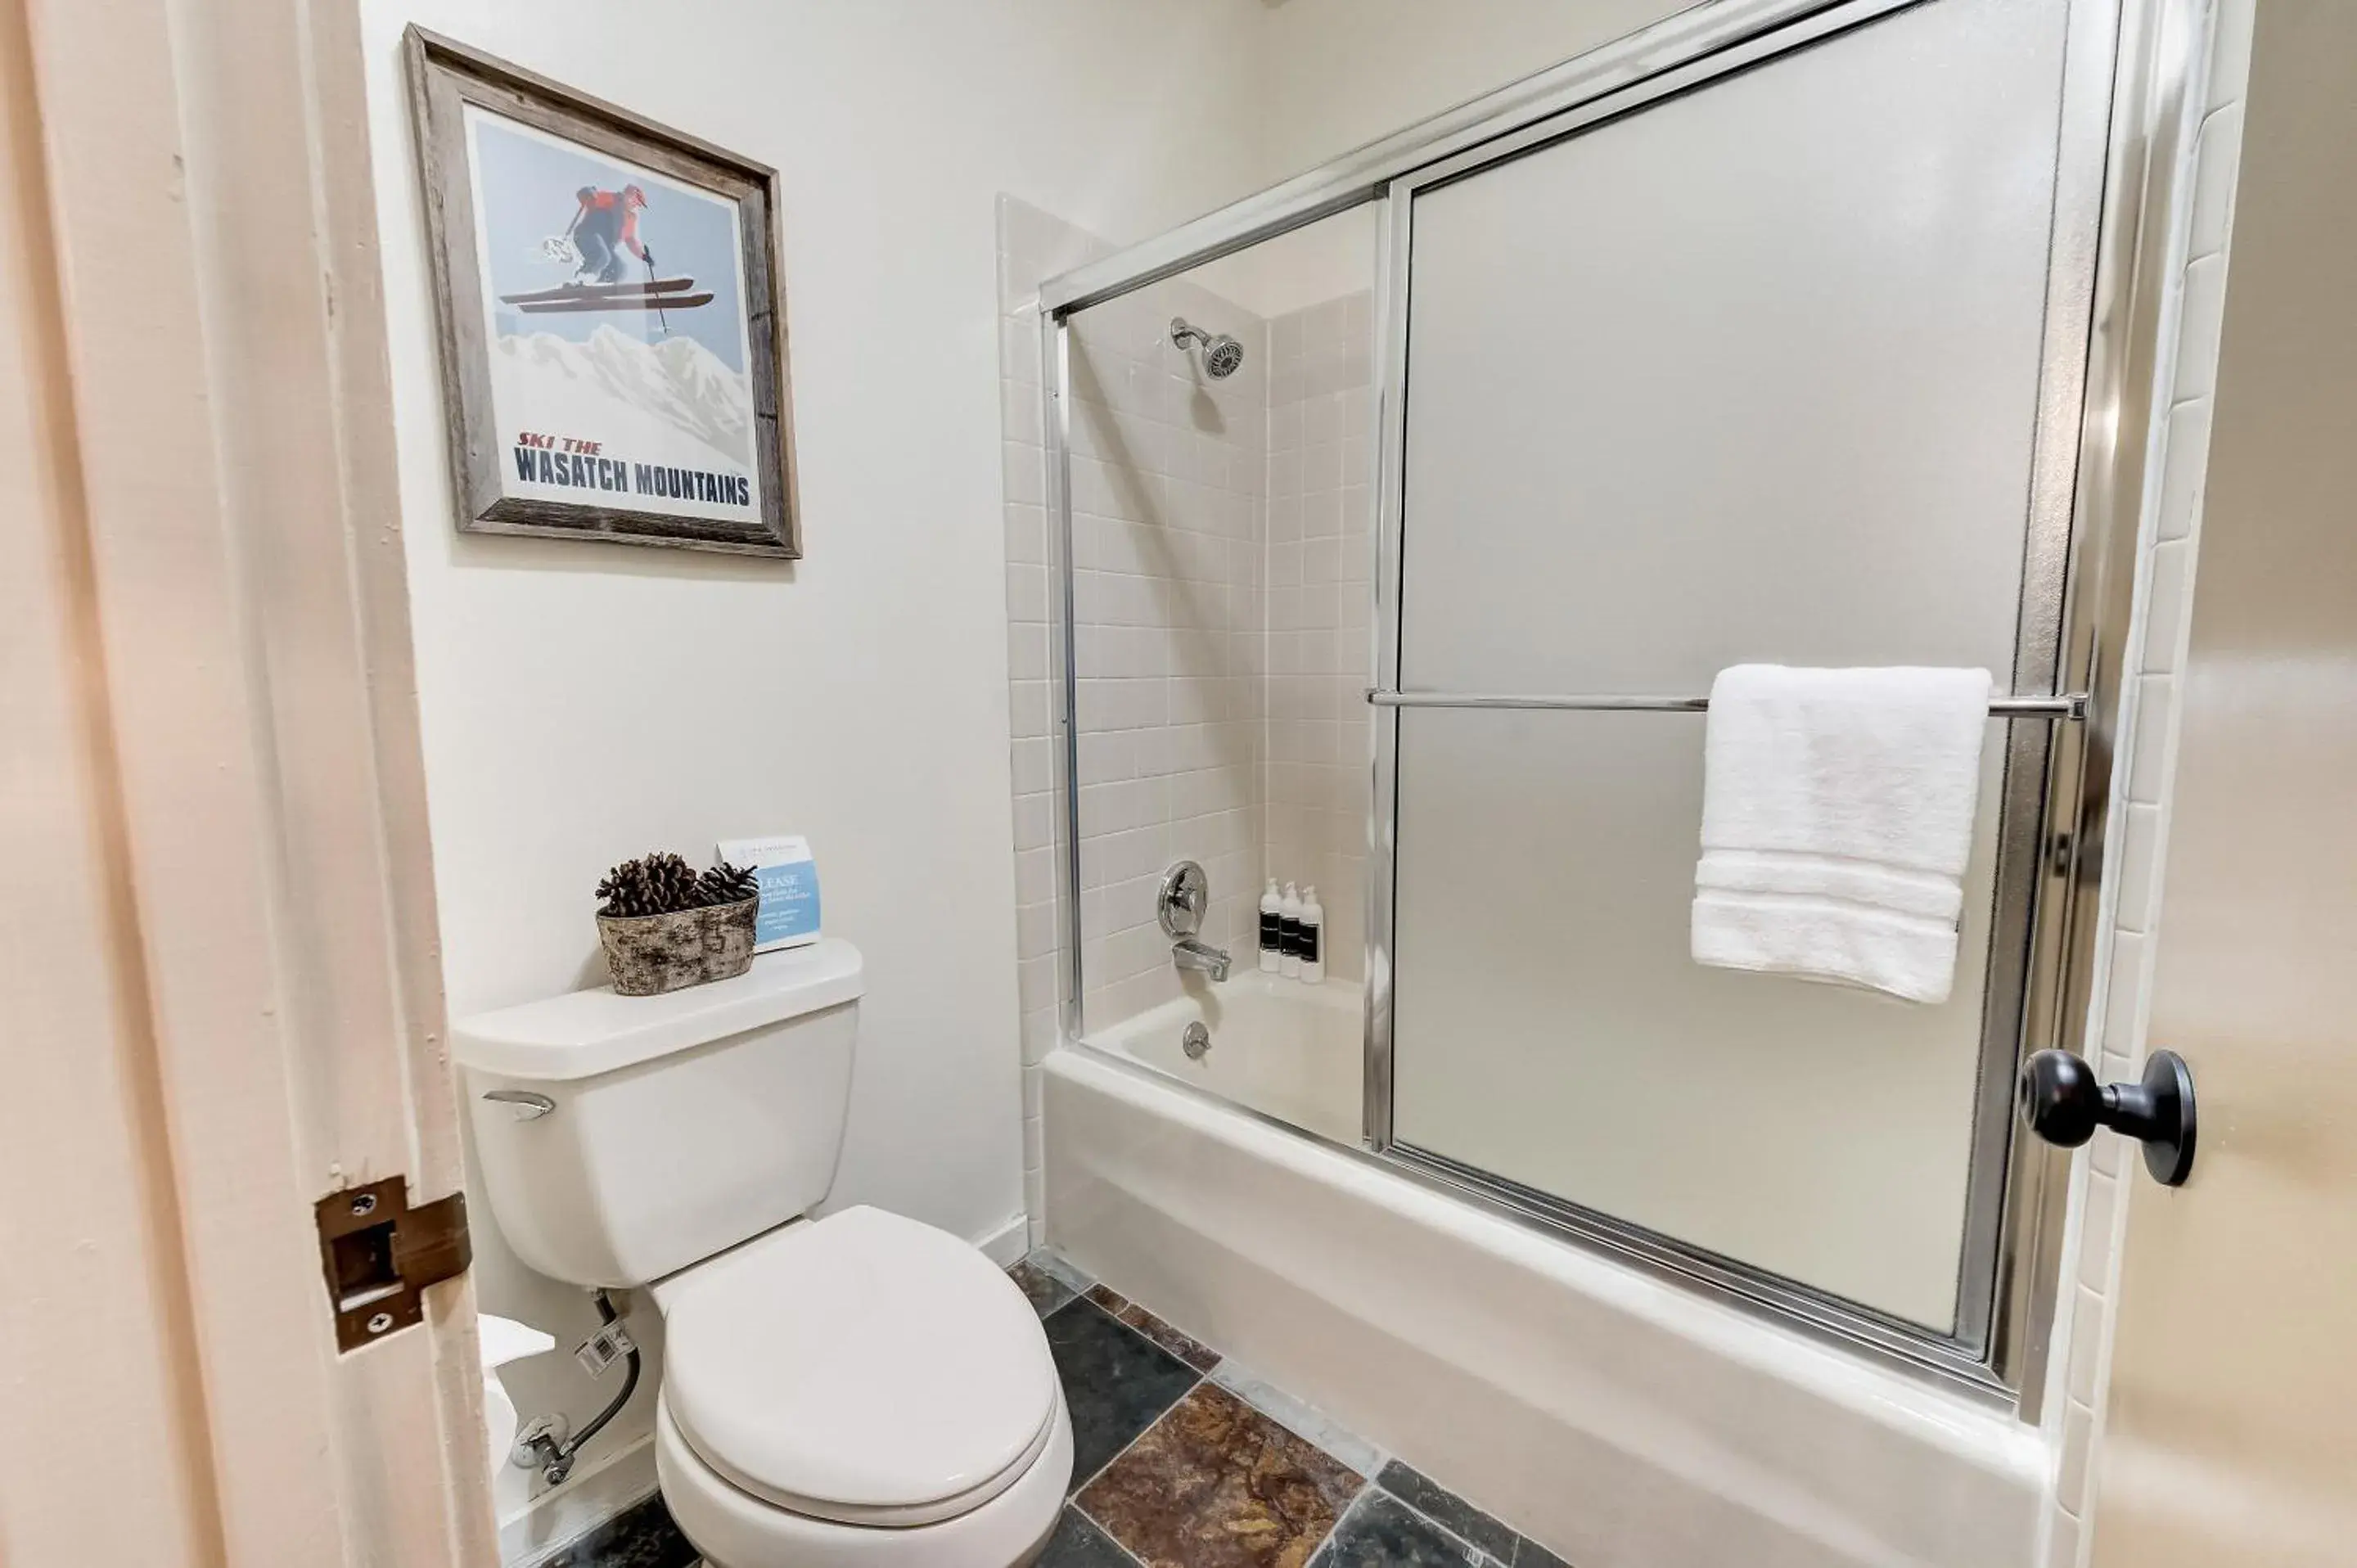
1331, 75
584, 702
1302, 268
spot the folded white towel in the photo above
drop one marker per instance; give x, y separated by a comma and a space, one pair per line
1837, 818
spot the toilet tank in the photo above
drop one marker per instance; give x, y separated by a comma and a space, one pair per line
677, 1125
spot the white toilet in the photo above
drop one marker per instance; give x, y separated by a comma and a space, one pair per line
856, 1392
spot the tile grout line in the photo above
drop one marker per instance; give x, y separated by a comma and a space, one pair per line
1073, 1503
1368, 1483
1096, 1474
1200, 1379
1480, 1558
1073, 1500
1342, 1517
1381, 1455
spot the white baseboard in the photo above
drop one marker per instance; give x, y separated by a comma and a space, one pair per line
558, 1518
1006, 1245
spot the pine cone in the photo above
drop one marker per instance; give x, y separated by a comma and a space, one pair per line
727, 883
654, 884
619, 894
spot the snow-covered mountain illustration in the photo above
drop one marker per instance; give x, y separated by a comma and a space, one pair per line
615, 380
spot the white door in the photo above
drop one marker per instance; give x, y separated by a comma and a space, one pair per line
220, 1000
2230, 1434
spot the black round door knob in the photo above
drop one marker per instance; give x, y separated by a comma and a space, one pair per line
2060, 1098
2063, 1102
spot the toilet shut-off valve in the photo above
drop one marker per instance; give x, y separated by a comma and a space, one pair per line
544, 1443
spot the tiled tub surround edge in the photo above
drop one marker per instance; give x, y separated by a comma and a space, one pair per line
2144, 783
1032, 246
1624, 1421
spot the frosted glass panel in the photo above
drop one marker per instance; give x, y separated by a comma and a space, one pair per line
1751, 375
1747, 376
1550, 1027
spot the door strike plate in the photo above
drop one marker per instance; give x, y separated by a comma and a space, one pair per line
380, 1255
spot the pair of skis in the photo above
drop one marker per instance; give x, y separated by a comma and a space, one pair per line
655, 294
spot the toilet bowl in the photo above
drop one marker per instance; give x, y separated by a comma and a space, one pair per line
860, 1391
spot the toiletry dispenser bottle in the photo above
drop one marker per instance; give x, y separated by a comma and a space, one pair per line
1272, 932
1313, 937
1289, 918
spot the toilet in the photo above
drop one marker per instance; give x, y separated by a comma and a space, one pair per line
861, 1390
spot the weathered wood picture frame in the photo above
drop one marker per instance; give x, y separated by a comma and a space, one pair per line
584, 403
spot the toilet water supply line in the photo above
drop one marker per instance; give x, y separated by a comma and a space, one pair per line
557, 1455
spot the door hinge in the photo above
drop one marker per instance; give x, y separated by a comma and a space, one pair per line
380, 1255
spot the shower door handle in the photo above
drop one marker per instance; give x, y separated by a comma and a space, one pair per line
2062, 1102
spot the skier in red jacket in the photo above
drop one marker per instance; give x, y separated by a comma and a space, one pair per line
604, 226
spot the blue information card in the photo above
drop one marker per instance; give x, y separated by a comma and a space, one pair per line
789, 915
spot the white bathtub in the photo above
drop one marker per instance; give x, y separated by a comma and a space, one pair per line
1620, 1418
1285, 1050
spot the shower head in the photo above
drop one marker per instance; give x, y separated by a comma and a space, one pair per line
1223, 355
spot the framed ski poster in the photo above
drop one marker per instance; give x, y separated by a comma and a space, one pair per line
612, 324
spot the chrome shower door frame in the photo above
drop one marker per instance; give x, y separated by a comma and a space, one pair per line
2127, 68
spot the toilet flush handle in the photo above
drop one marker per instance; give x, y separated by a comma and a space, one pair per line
527, 1106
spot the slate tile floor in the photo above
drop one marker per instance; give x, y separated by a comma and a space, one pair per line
1182, 1460
641, 1536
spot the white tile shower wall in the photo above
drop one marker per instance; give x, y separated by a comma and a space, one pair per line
1220, 719
1170, 651
2169, 536
1167, 469
1320, 562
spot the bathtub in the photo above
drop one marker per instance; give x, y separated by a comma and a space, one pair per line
1618, 1417
1285, 1048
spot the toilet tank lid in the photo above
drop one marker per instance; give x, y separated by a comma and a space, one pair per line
585, 1033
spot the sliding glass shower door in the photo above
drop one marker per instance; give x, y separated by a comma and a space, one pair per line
1751, 373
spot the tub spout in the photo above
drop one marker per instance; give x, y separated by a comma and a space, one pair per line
1188, 953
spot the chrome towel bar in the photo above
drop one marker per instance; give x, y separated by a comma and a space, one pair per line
2071, 706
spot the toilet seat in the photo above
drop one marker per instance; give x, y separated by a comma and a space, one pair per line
863, 1368
733, 1529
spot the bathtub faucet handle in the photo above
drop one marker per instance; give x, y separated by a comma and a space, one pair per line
1186, 894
